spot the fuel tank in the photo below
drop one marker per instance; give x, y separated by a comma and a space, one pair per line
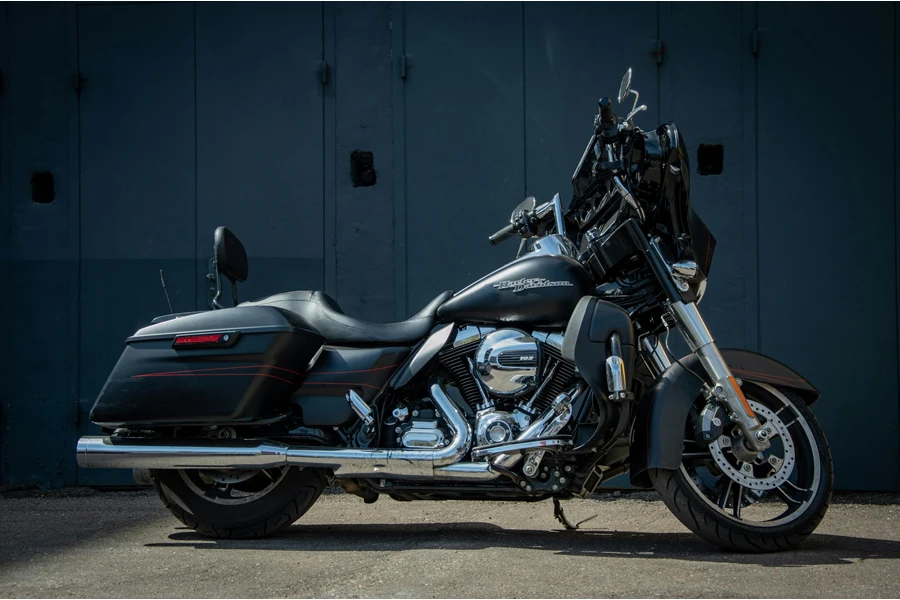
533, 290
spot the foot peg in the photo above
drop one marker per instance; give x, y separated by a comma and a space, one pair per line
362, 410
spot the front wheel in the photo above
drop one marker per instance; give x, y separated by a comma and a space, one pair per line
238, 504
763, 503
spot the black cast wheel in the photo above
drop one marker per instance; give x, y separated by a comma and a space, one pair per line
760, 502
238, 504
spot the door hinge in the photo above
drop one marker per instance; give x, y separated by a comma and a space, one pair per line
322, 72
78, 82
658, 51
754, 41
1, 81
402, 66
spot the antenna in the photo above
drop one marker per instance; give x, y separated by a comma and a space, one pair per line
162, 278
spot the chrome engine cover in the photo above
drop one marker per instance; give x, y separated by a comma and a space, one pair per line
422, 434
495, 427
508, 362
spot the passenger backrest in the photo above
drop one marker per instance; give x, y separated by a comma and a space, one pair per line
230, 256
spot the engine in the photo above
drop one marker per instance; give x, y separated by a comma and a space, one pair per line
508, 377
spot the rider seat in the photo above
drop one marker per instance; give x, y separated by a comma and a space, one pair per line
317, 311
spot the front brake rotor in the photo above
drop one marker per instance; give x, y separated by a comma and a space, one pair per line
765, 472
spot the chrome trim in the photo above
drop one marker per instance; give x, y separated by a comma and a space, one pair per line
554, 339
562, 406
522, 447
629, 198
584, 156
486, 402
552, 245
685, 269
542, 427
679, 282
700, 341
469, 333
101, 452
467, 472
359, 406
422, 434
691, 325
491, 422
615, 377
558, 215
508, 362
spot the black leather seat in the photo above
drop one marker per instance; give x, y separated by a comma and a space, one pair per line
319, 312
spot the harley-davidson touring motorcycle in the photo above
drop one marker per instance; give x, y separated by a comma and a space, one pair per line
539, 381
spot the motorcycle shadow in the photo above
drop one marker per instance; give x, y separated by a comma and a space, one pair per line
819, 549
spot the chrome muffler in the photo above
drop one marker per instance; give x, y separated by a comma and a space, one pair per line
98, 452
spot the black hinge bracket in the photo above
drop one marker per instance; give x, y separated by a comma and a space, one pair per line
658, 51
322, 72
78, 82
1, 81
754, 41
402, 66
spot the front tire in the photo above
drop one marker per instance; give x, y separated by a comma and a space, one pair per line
238, 504
752, 513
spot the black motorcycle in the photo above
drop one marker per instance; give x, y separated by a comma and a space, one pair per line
539, 381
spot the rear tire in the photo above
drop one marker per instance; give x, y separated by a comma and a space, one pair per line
254, 507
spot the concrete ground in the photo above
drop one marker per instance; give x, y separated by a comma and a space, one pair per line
125, 544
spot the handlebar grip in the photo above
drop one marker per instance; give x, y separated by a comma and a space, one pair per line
607, 127
502, 235
607, 116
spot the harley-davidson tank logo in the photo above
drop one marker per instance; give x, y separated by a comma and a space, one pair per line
520, 285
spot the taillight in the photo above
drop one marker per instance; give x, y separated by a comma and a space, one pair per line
193, 340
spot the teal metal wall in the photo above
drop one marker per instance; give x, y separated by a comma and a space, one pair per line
161, 121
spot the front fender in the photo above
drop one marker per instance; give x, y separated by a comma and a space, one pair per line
657, 437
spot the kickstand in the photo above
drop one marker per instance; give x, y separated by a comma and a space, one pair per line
561, 517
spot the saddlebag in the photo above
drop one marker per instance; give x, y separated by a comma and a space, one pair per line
235, 365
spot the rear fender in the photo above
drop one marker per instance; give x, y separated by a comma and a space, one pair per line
658, 434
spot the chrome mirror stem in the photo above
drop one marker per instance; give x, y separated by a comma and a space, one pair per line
558, 215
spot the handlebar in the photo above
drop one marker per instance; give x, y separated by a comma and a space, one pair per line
502, 235
606, 120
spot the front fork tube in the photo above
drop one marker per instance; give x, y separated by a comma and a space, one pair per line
724, 386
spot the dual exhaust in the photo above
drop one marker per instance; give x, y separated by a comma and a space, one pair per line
427, 463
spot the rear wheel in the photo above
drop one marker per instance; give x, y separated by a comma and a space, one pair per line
238, 504
753, 502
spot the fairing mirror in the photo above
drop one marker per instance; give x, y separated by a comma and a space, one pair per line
527, 204
625, 87
625, 91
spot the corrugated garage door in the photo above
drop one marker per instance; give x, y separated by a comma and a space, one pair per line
465, 147
827, 224
180, 134
497, 113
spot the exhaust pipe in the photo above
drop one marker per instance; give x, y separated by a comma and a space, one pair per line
428, 463
99, 452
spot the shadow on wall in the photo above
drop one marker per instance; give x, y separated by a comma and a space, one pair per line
817, 550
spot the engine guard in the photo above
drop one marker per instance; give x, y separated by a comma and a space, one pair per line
658, 432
